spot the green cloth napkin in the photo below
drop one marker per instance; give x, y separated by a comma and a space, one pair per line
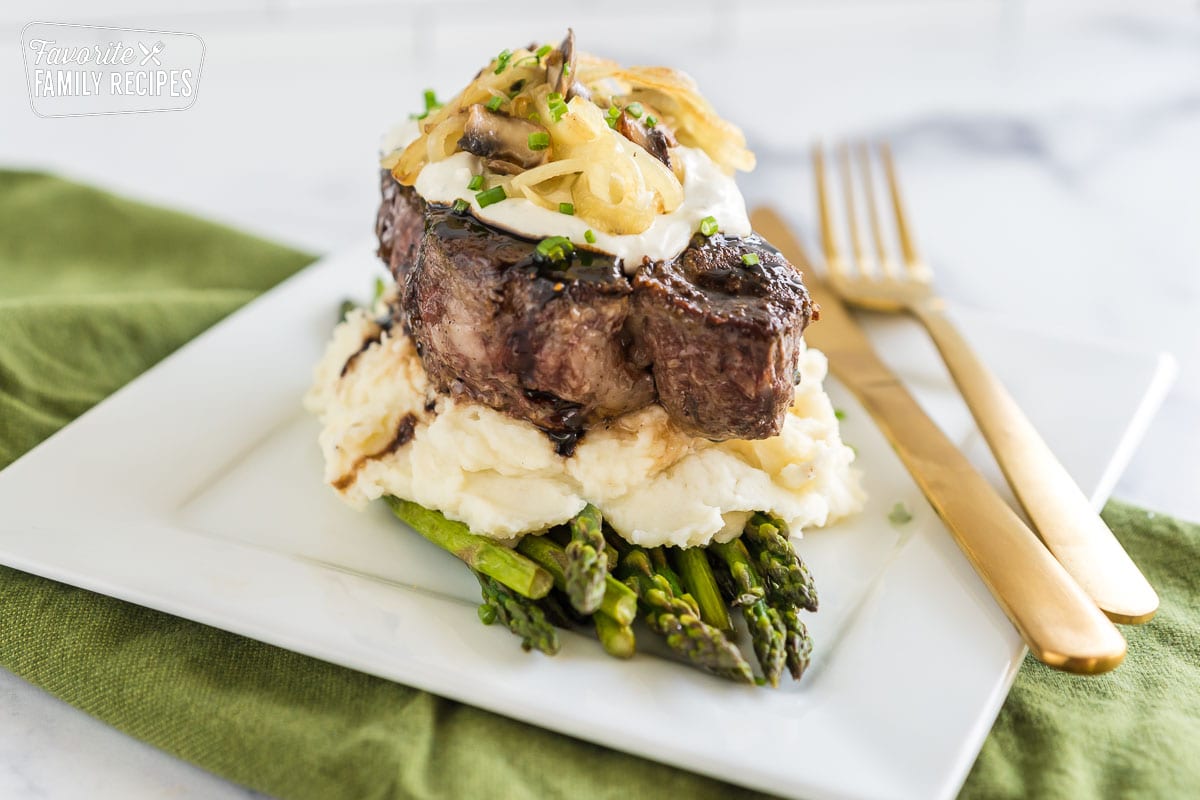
95, 289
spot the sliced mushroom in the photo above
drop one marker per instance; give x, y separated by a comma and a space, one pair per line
656, 141
578, 90
502, 167
560, 67
499, 137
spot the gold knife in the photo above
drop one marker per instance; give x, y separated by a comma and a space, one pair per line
1062, 626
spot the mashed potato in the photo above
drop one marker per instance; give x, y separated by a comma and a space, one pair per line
386, 431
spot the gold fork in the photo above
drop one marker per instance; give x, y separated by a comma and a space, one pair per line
1060, 512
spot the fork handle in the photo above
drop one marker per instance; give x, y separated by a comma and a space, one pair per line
1061, 513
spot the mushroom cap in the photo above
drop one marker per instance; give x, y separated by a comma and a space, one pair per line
500, 137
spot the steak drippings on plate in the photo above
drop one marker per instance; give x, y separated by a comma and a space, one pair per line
567, 345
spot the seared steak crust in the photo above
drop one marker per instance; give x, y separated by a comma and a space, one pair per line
723, 335
399, 225
537, 340
564, 346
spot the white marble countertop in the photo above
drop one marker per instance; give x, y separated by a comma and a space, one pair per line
1049, 155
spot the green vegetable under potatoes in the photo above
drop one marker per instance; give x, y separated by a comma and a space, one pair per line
787, 577
587, 561
701, 584
616, 639
618, 601
767, 630
479, 553
522, 616
797, 643
678, 621
683, 595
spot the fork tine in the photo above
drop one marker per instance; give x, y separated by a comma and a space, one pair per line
833, 257
858, 243
886, 262
916, 267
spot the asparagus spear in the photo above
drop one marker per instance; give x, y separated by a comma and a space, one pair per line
617, 639
701, 583
658, 557
730, 591
767, 629
786, 575
587, 561
480, 554
742, 577
521, 615
618, 601
797, 642
769, 635
677, 621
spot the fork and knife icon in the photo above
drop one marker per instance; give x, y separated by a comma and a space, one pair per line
151, 54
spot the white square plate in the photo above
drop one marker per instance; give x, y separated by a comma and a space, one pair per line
197, 490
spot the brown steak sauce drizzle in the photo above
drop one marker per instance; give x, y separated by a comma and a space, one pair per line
404, 434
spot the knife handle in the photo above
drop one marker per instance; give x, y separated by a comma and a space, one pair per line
1061, 513
1055, 617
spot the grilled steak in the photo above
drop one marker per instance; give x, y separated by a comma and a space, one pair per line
399, 225
723, 336
541, 341
566, 345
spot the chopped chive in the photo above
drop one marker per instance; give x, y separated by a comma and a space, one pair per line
495, 103
543, 51
533, 115
566, 70
899, 514
750, 259
651, 121
708, 226
613, 114
460, 206
526, 60
539, 140
566, 208
492, 195
589, 236
839, 414
634, 110
557, 107
555, 248
502, 60
476, 183
431, 104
